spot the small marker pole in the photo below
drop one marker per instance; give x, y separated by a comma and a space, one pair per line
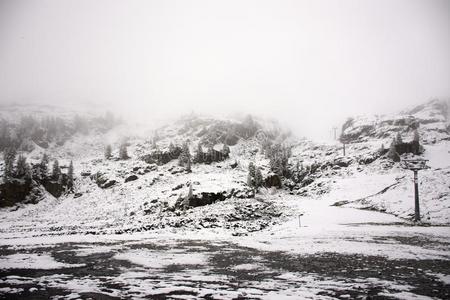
299, 221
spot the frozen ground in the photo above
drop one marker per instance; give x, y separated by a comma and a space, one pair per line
337, 252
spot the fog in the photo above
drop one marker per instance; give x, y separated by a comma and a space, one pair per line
309, 64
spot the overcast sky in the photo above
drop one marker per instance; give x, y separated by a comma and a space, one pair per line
308, 63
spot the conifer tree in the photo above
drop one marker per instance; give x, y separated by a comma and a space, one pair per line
398, 139
56, 170
123, 152
21, 166
28, 173
416, 137
392, 153
185, 157
251, 169
258, 178
9, 156
70, 175
43, 166
171, 148
108, 151
199, 153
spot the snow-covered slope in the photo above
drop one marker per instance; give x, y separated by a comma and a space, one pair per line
144, 196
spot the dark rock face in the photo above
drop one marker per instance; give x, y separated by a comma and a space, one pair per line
131, 178
160, 157
102, 181
272, 180
55, 188
206, 198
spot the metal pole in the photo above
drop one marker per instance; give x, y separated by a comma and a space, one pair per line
299, 222
416, 197
343, 148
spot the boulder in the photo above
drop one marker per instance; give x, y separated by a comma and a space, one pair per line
131, 178
108, 184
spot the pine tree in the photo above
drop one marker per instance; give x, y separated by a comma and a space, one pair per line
123, 152
70, 175
398, 139
43, 166
28, 172
9, 156
108, 151
416, 137
392, 153
21, 166
251, 169
185, 157
199, 153
56, 170
171, 147
258, 178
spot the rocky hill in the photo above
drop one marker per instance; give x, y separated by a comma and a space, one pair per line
151, 189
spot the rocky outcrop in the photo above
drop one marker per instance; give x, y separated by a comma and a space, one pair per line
206, 198
102, 181
272, 180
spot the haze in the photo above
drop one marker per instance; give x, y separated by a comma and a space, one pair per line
308, 63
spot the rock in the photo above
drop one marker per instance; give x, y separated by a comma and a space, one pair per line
131, 178
55, 188
272, 180
244, 193
108, 184
85, 174
342, 162
234, 165
77, 195
176, 170
177, 187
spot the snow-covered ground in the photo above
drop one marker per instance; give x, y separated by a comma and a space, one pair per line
331, 252
349, 234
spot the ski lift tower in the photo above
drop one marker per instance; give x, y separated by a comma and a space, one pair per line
415, 165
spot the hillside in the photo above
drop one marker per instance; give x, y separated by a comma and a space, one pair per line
151, 191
